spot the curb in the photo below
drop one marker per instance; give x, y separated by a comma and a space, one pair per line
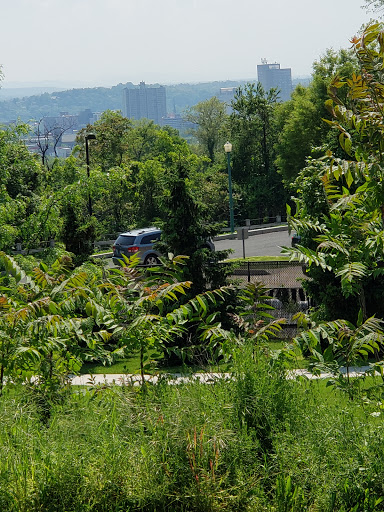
250, 232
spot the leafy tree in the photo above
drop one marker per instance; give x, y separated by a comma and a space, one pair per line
301, 127
141, 305
299, 121
253, 134
78, 229
20, 171
51, 322
160, 312
113, 199
341, 244
256, 325
110, 145
39, 219
149, 191
30, 212
142, 139
210, 118
349, 234
32, 327
210, 185
64, 172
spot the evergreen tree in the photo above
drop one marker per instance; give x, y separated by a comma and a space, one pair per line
185, 231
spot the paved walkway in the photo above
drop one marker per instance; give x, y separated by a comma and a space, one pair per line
135, 379
178, 378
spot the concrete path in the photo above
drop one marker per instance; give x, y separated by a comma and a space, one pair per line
178, 378
135, 379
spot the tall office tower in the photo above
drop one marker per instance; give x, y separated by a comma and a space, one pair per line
271, 76
145, 102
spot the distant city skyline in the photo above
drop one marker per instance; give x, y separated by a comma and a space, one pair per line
87, 43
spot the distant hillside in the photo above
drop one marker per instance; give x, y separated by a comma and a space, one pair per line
98, 99
21, 92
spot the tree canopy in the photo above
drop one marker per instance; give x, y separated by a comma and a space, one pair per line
340, 202
210, 118
252, 125
302, 131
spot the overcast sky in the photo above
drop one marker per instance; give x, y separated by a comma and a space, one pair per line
104, 42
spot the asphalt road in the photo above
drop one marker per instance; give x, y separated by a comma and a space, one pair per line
266, 244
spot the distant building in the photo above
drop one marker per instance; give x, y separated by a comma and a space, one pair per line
84, 117
96, 116
145, 102
180, 124
227, 95
272, 76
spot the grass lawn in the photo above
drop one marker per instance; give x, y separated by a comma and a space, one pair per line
131, 365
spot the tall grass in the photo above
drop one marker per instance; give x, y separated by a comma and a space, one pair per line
257, 442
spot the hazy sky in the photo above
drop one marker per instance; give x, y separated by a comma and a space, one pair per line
104, 42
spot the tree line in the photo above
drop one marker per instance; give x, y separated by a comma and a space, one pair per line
132, 164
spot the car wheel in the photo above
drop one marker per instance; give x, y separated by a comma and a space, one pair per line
151, 260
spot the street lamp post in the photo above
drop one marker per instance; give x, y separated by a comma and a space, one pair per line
90, 136
228, 149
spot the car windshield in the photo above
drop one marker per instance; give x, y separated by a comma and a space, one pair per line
125, 240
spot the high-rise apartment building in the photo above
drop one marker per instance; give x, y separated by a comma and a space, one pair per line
145, 102
272, 76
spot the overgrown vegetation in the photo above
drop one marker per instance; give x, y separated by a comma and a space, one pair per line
258, 441
257, 438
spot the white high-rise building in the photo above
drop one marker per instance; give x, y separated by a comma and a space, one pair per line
273, 76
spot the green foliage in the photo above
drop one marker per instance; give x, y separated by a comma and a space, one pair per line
338, 344
300, 124
253, 316
78, 228
184, 231
20, 170
342, 221
113, 200
253, 135
111, 132
49, 324
159, 313
185, 448
210, 118
24, 214
301, 127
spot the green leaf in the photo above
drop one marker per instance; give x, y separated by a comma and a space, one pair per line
88, 309
349, 178
360, 317
348, 146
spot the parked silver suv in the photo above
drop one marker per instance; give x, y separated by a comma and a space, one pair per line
137, 241
141, 241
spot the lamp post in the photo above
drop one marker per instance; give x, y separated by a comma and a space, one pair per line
90, 136
228, 149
